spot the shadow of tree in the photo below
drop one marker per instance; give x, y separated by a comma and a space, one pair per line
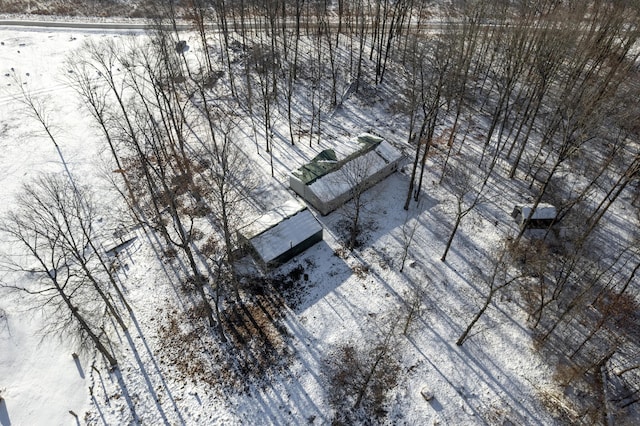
258, 346
4, 414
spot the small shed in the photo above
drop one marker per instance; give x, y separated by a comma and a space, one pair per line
322, 182
542, 217
281, 234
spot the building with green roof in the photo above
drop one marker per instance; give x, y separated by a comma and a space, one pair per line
324, 182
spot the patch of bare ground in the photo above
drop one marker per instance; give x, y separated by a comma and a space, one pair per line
360, 379
290, 286
257, 346
185, 349
585, 353
558, 405
258, 340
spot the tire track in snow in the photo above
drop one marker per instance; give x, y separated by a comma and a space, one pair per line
5, 100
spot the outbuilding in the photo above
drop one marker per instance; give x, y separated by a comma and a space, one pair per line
324, 182
281, 234
542, 217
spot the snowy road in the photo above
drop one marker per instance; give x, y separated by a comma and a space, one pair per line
142, 25
88, 25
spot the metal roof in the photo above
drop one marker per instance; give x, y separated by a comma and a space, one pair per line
287, 234
326, 161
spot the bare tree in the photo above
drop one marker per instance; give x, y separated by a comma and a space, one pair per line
499, 278
4, 324
95, 98
467, 190
433, 67
317, 73
513, 46
408, 230
61, 284
231, 181
155, 125
39, 110
264, 62
355, 175
414, 306
465, 42
360, 377
66, 198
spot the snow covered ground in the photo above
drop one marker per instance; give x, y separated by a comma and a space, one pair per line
39, 379
349, 298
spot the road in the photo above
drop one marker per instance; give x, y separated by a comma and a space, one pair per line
142, 25
85, 25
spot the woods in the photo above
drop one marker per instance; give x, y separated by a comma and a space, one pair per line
495, 103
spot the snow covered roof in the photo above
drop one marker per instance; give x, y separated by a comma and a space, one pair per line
286, 235
271, 218
543, 211
327, 161
321, 164
335, 184
389, 153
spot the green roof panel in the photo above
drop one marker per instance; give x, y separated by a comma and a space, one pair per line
322, 164
327, 162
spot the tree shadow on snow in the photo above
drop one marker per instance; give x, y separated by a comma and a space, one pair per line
4, 414
79, 366
262, 334
259, 340
158, 371
310, 277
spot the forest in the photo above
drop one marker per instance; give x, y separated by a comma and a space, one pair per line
200, 121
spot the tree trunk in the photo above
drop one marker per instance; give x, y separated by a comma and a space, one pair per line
453, 233
475, 319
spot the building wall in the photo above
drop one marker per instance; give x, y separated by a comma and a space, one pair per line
297, 185
294, 251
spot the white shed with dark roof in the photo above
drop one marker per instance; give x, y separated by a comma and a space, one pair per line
541, 217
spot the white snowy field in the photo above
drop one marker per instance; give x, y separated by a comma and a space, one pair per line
40, 382
496, 377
